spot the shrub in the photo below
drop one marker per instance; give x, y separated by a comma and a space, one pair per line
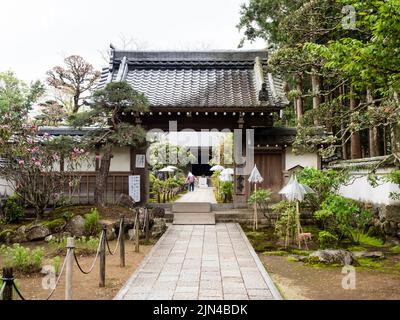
343, 218
84, 245
326, 239
226, 189
323, 182
22, 259
13, 211
285, 210
261, 197
92, 226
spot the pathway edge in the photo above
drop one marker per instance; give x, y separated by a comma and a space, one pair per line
267, 278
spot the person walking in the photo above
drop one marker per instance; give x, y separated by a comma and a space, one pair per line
190, 181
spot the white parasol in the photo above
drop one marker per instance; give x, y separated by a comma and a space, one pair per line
217, 168
295, 191
227, 171
166, 169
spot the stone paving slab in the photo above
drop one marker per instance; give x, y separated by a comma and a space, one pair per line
201, 262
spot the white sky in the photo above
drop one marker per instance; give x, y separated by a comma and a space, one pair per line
37, 34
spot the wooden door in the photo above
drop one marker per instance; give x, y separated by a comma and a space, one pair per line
270, 166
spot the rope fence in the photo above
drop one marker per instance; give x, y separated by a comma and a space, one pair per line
9, 287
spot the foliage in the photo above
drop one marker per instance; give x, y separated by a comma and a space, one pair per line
395, 249
261, 198
394, 177
12, 210
52, 114
165, 189
56, 264
83, 245
343, 218
16, 100
323, 182
21, 258
327, 239
111, 127
343, 75
226, 190
285, 211
77, 79
162, 154
92, 226
369, 263
34, 156
365, 239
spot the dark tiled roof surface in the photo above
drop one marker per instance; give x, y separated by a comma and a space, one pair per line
196, 79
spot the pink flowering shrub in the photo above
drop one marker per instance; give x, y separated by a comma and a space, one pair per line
40, 168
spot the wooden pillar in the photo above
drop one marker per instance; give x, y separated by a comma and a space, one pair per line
240, 184
142, 172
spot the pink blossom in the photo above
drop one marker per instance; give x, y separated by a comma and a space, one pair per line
21, 162
29, 140
38, 163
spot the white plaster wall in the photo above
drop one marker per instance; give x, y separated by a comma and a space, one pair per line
5, 190
361, 190
310, 160
121, 160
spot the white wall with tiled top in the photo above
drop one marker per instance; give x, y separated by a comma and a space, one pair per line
310, 160
360, 189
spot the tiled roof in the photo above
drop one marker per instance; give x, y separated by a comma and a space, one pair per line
183, 79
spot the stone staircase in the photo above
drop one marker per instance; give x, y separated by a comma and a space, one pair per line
193, 213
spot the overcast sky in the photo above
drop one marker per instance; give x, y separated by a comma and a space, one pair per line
37, 34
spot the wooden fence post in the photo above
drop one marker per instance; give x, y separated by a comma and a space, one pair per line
102, 282
8, 279
137, 233
69, 267
122, 243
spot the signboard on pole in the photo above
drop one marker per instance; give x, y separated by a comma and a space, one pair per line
134, 187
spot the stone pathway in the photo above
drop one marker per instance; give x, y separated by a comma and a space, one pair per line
199, 195
197, 262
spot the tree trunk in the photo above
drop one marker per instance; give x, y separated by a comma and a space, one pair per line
355, 136
316, 88
101, 178
395, 133
342, 124
373, 132
299, 98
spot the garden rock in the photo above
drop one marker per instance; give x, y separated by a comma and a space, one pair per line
159, 227
37, 232
333, 257
372, 254
76, 226
126, 201
49, 238
158, 212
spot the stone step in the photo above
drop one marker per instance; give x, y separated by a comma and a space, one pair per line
194, 218
191, 207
